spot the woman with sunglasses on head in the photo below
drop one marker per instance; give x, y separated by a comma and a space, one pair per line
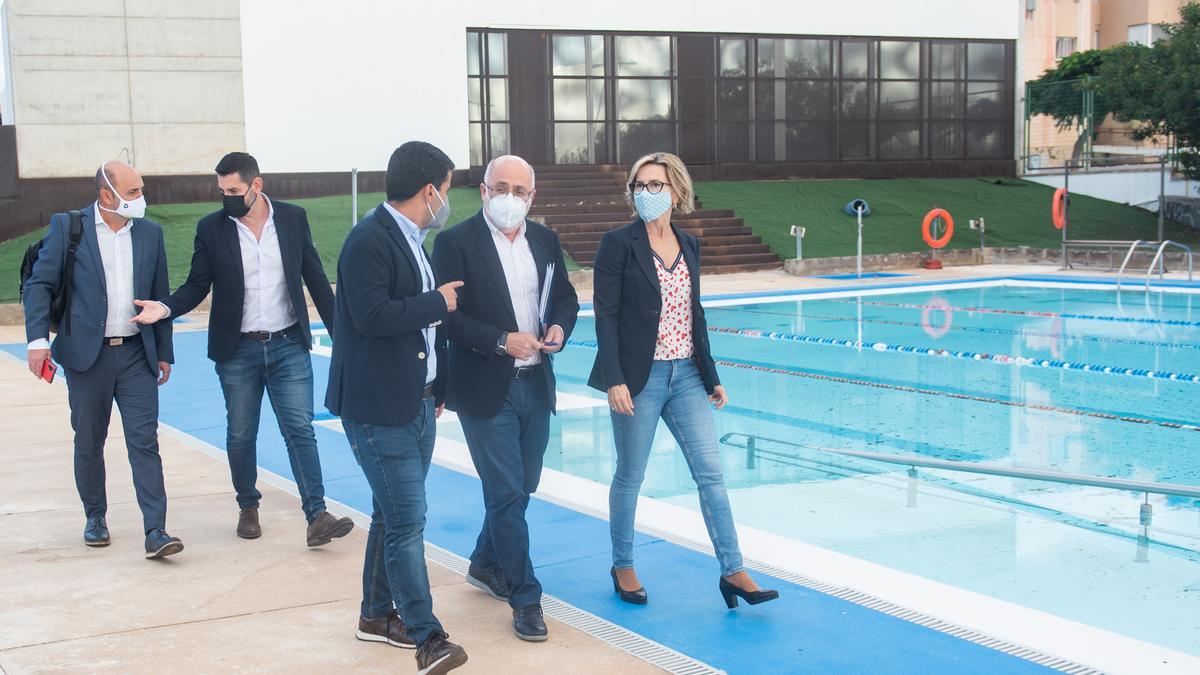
654, 362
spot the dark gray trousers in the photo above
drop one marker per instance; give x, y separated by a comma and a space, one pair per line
121, 374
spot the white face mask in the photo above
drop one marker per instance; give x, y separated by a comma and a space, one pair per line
507, 211
125, 209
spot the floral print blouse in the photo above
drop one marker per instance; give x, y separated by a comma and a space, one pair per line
675, 318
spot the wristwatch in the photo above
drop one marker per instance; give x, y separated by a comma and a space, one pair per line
502, 345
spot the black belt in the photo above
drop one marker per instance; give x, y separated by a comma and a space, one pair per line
118, 341
427, 392
267, 336
525, 371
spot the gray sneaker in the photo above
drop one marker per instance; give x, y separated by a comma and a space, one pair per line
326, 527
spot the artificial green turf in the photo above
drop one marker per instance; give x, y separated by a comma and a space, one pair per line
1016, 212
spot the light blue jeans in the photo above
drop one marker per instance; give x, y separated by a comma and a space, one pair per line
675, 393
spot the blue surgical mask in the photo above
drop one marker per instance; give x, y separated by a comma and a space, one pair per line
650, 206
438, 220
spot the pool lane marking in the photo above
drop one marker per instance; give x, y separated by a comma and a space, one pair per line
1026, 312
982, 329
1019, 361
934, 392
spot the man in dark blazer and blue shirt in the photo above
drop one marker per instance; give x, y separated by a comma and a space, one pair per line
386, 381
501, 377
105, 356
256, 255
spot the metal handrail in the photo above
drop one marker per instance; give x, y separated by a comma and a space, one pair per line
1174, 489
1158, 256
1132, 247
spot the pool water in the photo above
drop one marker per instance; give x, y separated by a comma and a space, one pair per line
1059, 379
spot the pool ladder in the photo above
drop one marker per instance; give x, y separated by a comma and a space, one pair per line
1157, 262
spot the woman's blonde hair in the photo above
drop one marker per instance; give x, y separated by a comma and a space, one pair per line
677, 175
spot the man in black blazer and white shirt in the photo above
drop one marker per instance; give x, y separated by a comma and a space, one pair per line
386, 382
501, 379
254, 254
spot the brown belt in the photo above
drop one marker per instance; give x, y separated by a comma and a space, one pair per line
427, 392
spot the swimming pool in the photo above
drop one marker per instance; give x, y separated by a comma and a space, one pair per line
1064, 379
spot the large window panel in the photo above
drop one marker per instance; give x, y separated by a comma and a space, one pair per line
765, 57
809, 141
855, 104
473, 57
806, 100
807, 58
571, 143
497, 54
899, 100
943, 139
635, 139
644, 99
733, 58
733, 100
475, 133
899, 140
570, 99
474, 100
985, 61
985, 100
764, 101
854, 140
569, 56
945, 100
945, 61
986, 139
499, 138
644, 56
498, 98
767, 147
855, 60
899, 60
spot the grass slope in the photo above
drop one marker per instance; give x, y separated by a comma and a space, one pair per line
1017, 213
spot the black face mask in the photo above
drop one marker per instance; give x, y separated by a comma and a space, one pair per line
236, 206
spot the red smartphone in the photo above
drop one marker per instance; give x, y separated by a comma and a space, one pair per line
48, 370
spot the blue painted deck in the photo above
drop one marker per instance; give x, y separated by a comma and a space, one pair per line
804, 631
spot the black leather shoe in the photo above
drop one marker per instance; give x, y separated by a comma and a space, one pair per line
159, 544
529, 624
731, 593
438, 655
388, 630
637, 597
489, 580
95, 533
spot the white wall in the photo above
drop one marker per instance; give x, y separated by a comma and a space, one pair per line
1134, 187
331, 86
6, 106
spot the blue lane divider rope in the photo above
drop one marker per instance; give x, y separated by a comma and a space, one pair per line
1024, 312
964, 355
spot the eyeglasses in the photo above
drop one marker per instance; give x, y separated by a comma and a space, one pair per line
654, 186
501, 190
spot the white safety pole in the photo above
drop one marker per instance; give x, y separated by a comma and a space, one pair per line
858, 261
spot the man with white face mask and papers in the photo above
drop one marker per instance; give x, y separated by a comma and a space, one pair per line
516, 309
104, 256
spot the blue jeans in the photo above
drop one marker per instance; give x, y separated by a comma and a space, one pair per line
507, 451
675, 393
283, 368
395, 461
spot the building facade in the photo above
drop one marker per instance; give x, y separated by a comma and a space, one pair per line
764, 89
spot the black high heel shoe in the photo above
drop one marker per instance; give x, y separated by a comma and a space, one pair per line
731, 593
637, 597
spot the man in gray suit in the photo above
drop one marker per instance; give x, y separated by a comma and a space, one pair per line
105, 356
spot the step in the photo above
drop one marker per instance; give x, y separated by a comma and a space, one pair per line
614, 182
584, 250
582, 168
685, 225
614, 216
593, 239
732, 269
587, 191
739, 259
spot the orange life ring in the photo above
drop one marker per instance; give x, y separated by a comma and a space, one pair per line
926, 224
1058, 208
939, 305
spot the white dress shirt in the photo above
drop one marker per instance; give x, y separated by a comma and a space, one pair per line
116, 255
521, 275
266, 305
415, 236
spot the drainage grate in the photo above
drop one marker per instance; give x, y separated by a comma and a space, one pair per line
892, 609
647, 650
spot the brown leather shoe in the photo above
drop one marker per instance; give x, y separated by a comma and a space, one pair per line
248, 527
326, 528
390, 630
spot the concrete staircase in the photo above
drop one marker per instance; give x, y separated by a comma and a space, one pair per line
581, 203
